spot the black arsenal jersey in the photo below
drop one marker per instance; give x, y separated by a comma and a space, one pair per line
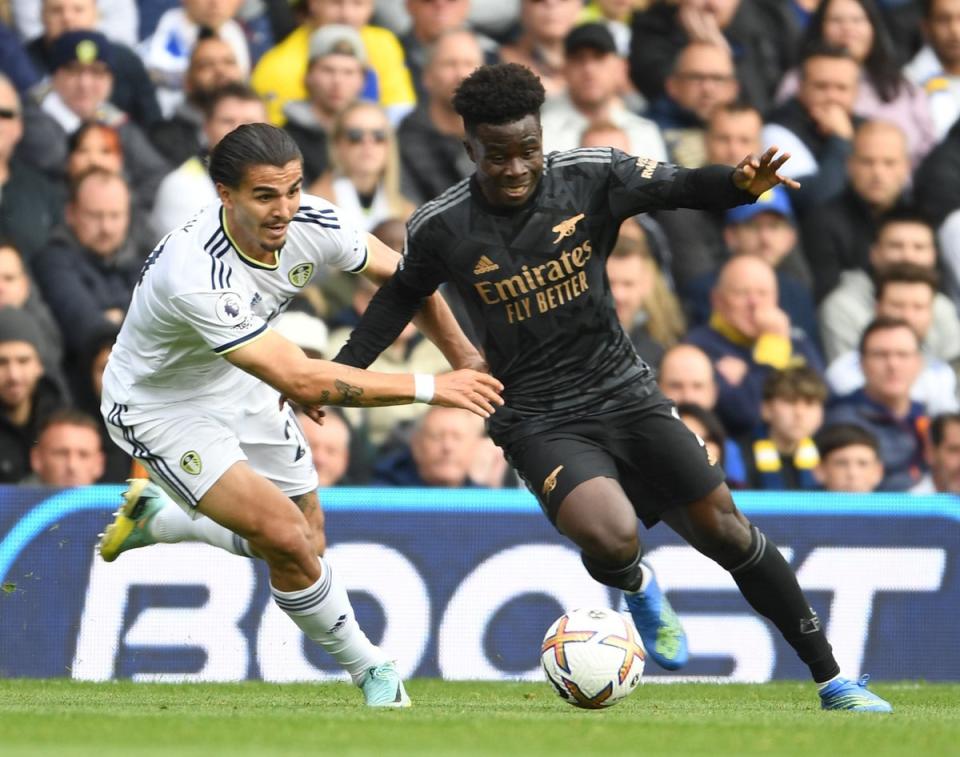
533, 278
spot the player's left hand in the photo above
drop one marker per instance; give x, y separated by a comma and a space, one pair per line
757, 175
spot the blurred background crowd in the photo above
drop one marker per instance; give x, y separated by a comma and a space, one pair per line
812, 339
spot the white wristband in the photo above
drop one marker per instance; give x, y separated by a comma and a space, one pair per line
423, 387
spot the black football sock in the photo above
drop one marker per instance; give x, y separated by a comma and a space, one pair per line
770, 586
627, 577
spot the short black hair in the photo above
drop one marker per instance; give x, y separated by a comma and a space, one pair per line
903, 213
821, 49
938, 427
498, 94
905, 273
884, 323
234, 90
251, 145
840, 435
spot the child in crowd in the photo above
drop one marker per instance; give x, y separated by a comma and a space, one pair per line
783, 455
849, 459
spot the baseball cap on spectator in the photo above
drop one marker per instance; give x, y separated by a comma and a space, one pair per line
339, 39
83, 46
589, 36
772, 201
308, 332
18, 326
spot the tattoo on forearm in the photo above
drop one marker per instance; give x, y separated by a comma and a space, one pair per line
353, 396
349, 395
324, 397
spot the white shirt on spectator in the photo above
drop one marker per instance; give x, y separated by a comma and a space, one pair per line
943, 90
166, 54
563, 125
936, 387
119, 20
181, 195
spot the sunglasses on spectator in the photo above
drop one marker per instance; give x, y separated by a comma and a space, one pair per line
355, 136
9, 113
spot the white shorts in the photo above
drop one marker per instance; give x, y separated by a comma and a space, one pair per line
187, 447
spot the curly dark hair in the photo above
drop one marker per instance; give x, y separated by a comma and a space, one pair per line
498, 94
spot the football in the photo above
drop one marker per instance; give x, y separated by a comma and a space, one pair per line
593, 658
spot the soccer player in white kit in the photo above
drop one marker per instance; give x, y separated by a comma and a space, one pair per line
193, 387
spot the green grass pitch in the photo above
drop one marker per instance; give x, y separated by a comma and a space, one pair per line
68, 718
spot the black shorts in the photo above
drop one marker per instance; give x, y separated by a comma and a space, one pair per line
643, 445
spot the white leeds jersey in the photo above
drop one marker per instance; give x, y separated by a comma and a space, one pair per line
199, 297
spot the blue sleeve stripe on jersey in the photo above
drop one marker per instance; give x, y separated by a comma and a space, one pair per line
318, 222
229, 346
157, 464
310, 208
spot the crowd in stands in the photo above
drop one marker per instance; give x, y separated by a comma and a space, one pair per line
811, 340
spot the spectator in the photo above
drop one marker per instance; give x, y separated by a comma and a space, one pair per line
686, 376
440, 454
702, 79
816, 126
696, 236
81, 86
884, 94
430, 20
88, 389
212, 65
279, 76
849, 459
67, 452
903, 237
14, 62
706, 425
118, 19
617, 15
364, 180
329, 445
167, 52
408, 354
133, 91
646, 308
432, 157
837, 237
942, 453
28, 207
189, 188
754, 32
948, 237
88, 271
767, 229
936, 68
590, 67
891, 360
747, 337
334, 81
543, 28
905, 291
17, 291
784, 455
96, 145
27, 396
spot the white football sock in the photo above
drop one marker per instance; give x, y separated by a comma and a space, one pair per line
172, 525
324, 614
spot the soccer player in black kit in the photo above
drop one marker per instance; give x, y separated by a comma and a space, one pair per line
525, 241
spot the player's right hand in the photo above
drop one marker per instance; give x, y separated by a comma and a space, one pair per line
471, 390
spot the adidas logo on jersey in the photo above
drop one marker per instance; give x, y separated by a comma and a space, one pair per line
484, 265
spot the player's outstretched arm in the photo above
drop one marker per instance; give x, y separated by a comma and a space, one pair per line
309, 382
434, 319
